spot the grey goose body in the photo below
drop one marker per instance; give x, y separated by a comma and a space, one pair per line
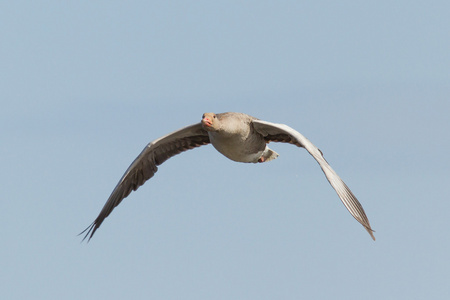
239, 137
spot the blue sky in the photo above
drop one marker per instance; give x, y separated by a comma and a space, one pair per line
85, 86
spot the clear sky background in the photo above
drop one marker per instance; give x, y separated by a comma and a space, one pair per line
85, 85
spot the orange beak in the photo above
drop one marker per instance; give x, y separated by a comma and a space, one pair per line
207, 122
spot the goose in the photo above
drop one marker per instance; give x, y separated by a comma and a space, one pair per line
239, 137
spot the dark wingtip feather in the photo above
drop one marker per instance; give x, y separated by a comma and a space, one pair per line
371, 233
90, 231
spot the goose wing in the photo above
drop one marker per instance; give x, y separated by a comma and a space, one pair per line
145, 166
283, 133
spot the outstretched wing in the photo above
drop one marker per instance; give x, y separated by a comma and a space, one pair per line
145, 166
283, 133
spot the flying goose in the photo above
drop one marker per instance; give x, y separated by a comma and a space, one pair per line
238, 136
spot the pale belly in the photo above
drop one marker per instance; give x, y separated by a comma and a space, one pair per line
238, 149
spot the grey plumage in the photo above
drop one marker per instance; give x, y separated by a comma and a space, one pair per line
146, 164
239, 137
